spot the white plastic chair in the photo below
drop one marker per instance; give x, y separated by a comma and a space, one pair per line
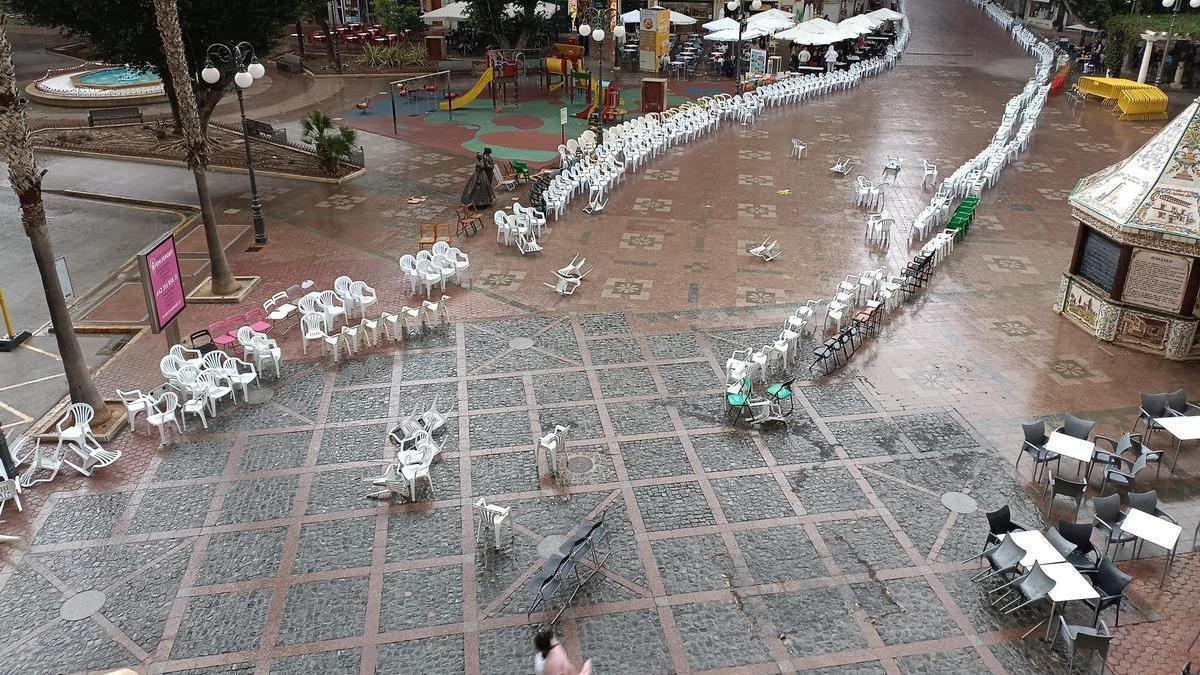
462, 265
798, 148
266, 350
333, 308
768, 250
312, 327
135, 402
81, 415
217, 387
492, 517
363, 296
240, 373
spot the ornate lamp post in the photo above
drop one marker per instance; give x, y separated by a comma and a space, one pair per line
739, 8
591, 21
239, 59
1177, 4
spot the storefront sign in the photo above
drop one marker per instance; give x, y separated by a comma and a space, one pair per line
162, 282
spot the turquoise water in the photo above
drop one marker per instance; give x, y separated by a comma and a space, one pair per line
118, 76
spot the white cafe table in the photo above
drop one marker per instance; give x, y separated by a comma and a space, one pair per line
1069, 585
1068, 446
1038, 548
1155, 530
1183, 429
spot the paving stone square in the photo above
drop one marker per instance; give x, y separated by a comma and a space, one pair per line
341, 490
639, 417
424, 534
374, 369
683, 378
751, 498
904, 610
673, 346
259, 499
864, 545
428, 366
726, 451
201, 460
501, 430
421, 597
673, 506
83, 517
505, 472
655, 458
223, 622
607, 351
561, 387
355, 444
868, 438
630, 642
814, 621
584, 421
170, 509
359, 404
502, 392
837, 400
719, 635
778, 554
965, 661
339, 662
241, 556
435, 655
629, 381
274, 451
419, 397
828, 489
935, 432
323, 610
693, 564
335, 544
799, 443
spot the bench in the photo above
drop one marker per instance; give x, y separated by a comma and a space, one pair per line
289, 63
265, 131
121, 115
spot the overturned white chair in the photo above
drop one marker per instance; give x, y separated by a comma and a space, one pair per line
768, 250
527, 243
842, 165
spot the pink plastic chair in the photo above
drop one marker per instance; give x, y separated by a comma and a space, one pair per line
220, 336
257, 320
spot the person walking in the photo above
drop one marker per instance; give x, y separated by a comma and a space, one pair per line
805, 56
550, 658
831, 57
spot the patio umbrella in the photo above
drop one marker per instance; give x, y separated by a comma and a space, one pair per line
677, 19
726, 23
820, 25
750, 33
798, 34
828, 38
772, 20
1082, 28
455, 11
885, 14
860, 25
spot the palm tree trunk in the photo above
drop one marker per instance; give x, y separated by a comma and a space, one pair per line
26, 180
166, 14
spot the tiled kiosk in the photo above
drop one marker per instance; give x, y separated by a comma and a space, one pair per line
1134, 275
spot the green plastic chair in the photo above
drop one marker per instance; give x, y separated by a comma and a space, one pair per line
520, 169
783, 392
739, 399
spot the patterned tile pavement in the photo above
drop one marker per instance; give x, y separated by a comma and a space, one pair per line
822, 548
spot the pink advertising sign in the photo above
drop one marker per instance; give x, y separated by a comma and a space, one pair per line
162, 282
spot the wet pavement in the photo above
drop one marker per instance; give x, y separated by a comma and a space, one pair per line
826, 547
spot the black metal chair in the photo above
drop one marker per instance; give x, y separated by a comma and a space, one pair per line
1177, 403
1110, 583
1085, 639
1153, 406
1108, 520
1127, 443
1000, 522
1060, 543
1056, 485
1125, 478
1084, 556
202, 341
1077, 427
1034, 445
1032, 588
1002, 560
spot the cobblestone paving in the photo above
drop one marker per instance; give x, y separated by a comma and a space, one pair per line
821, 548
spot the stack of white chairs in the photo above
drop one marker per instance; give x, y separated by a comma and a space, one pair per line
435, 267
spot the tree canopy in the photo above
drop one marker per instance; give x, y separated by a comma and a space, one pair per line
123, 31
509, 29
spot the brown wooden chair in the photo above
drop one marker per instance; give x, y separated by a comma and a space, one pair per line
469, 220
431, 233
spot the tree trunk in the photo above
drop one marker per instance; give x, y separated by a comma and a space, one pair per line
328, 38
300, 37
26, 180
166, 14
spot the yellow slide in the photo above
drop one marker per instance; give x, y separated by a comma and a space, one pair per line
460, 101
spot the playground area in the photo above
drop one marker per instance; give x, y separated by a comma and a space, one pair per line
515, 111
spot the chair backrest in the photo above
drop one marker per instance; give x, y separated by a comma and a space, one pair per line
128, 397
218, 327
308, 303
169, 366
188, 374
1154, 404
244, 335
440, 247
1141, 462
341, 285
1071, 488
215, 360
167, 403
211, 378
254, 316
312, 323
1008, 554
424, 255
81, 414
1144, 501
1079, 534
1059, 542
1035, 433
261, 345
1037, 583
1078, 427
1111, 581
1177, 401
1000, 520
1108, 508
329, 299
178, 352
408, 263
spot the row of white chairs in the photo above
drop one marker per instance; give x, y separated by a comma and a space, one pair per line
435, 267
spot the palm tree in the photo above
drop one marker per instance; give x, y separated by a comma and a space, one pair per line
330, 148
26, 180
166, 14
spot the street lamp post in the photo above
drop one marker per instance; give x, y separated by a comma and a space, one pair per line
590, 24
1177, 4
219, 60
739, 6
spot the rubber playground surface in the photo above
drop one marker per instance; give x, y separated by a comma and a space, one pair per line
527, 128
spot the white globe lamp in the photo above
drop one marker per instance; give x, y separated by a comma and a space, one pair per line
243, 79
256, 69
584, 30
210, 74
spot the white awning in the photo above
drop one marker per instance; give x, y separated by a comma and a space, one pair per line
725, 23
750, 33
772, 20
886, 14
678, 19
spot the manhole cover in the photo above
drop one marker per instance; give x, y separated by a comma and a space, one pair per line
959, 502
520, 343
549, 545
81, 606
579, 465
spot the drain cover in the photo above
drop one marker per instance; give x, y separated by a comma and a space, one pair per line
549, 545
959, 502
579, 465
81, 606
521, 343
